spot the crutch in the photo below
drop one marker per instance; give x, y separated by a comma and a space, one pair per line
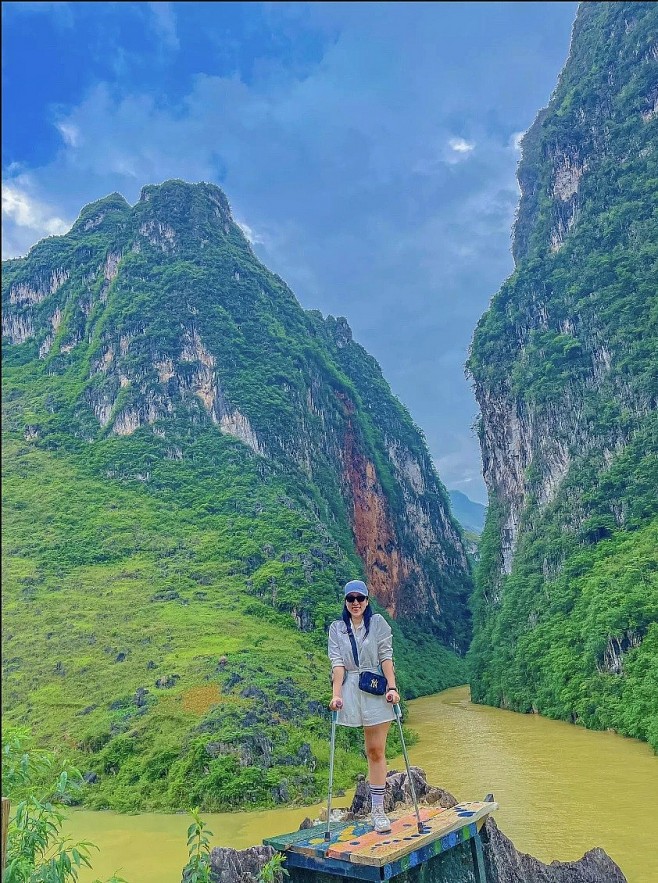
398, 717
334, 715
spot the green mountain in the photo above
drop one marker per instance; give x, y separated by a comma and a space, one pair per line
469, 514
565, 364
192, 467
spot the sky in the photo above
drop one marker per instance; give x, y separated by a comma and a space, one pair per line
368, 150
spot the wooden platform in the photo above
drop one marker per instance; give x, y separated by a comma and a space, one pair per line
355, 850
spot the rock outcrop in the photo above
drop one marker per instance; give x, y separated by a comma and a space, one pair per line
239, 865
503, 862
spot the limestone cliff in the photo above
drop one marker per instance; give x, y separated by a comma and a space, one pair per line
565, 372
164, 313
563, 349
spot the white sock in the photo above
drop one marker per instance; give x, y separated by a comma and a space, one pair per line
377, 796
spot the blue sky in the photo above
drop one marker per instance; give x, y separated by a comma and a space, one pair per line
368, 150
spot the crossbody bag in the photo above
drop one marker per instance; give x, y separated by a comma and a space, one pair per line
369, 681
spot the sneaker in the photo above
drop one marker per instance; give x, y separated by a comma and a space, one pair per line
380, 821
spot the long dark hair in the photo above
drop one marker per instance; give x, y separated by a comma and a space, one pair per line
367, 616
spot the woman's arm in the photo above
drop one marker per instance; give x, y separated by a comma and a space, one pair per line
337, 678
337, 668
392, 694
385, 653
384, 639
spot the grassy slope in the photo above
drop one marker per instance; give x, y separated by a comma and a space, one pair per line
171, 599
96, 568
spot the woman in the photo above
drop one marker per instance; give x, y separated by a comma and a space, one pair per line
374, 652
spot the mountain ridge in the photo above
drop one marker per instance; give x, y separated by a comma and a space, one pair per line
150, 358
469, 513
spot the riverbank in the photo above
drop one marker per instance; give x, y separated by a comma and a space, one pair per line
562, 790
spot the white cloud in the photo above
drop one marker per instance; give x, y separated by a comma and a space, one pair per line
460, 145
164, 21
25, 220
515, 140
434, 156
69, 132
253, 237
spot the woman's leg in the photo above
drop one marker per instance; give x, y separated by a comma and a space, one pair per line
375, 739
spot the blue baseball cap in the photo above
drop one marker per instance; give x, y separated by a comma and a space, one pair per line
357, 586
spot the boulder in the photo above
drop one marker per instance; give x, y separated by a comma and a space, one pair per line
238, 865
505, 864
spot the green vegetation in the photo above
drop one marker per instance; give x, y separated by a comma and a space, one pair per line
569, 346
273, 870
197, 869
174, 671
37, 786
167, 588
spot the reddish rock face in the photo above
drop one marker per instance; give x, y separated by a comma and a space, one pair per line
411, 556
374, 534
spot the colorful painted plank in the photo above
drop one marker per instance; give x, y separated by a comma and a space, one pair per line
355, 850
311, 841
392, 848
282, 842
319, 846
344, 847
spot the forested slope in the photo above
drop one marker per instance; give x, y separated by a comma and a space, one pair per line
565, 366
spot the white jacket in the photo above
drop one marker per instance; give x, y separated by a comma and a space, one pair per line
372, 650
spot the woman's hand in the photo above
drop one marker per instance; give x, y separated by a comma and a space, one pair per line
336, 703
393, 696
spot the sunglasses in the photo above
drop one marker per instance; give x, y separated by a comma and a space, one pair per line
359, 599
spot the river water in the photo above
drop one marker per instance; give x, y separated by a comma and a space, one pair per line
562, 790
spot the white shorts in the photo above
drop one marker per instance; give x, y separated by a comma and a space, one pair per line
362, 709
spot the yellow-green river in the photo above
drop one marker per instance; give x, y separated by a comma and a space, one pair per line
562, 790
